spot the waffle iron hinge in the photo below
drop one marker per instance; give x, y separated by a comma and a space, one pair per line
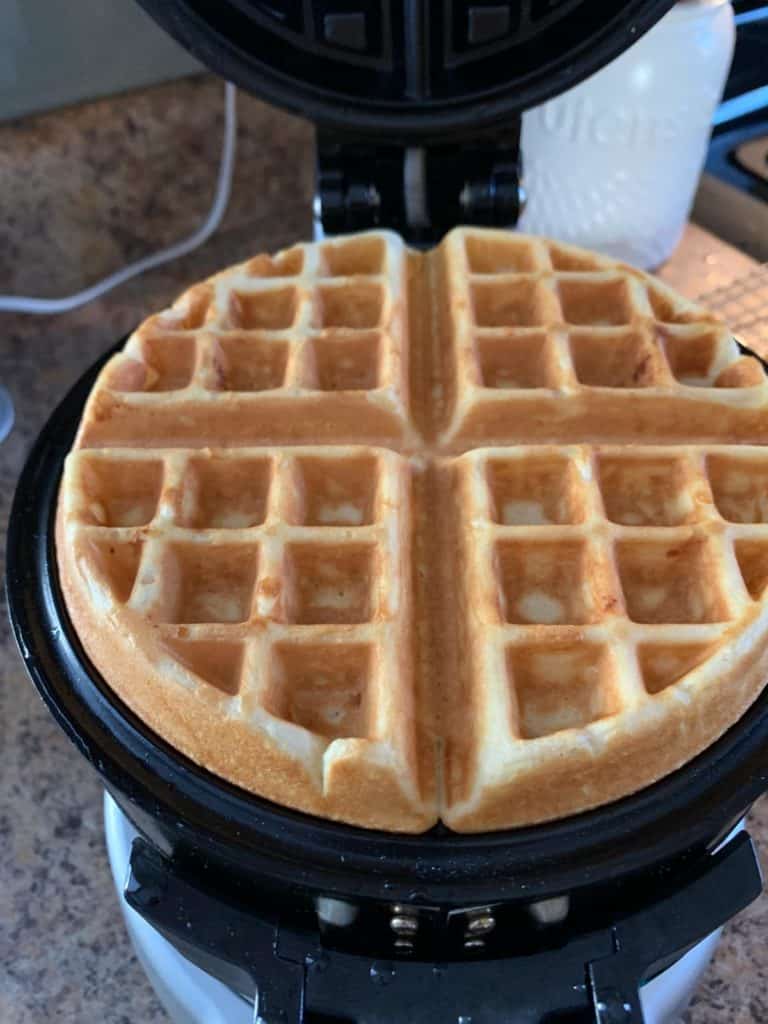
420, 191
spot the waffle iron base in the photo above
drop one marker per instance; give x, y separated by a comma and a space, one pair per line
638, 879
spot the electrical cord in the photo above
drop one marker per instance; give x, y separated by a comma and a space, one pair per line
29, 304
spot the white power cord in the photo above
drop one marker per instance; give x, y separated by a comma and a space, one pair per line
28, 304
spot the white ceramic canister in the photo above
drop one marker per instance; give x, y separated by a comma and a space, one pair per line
613, 163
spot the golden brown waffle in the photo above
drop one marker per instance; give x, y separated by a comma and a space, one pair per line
552, 343
308, 346
311, 535
259, 611
614, 620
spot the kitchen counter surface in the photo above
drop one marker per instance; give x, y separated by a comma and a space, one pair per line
84, 191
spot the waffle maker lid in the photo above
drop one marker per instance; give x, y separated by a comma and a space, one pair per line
417, 103
406, 69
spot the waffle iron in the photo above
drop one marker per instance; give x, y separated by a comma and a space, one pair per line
558, 923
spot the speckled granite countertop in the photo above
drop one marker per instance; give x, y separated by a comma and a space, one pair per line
83, 191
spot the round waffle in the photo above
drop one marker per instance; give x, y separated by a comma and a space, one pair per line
478, 535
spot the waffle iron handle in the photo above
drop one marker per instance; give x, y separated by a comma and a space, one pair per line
660, 932
593, 979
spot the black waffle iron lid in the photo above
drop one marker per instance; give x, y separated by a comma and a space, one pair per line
378, 78
405, 68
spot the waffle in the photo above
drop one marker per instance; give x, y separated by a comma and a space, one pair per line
307, 346
478, 535
613, 623
551, 343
